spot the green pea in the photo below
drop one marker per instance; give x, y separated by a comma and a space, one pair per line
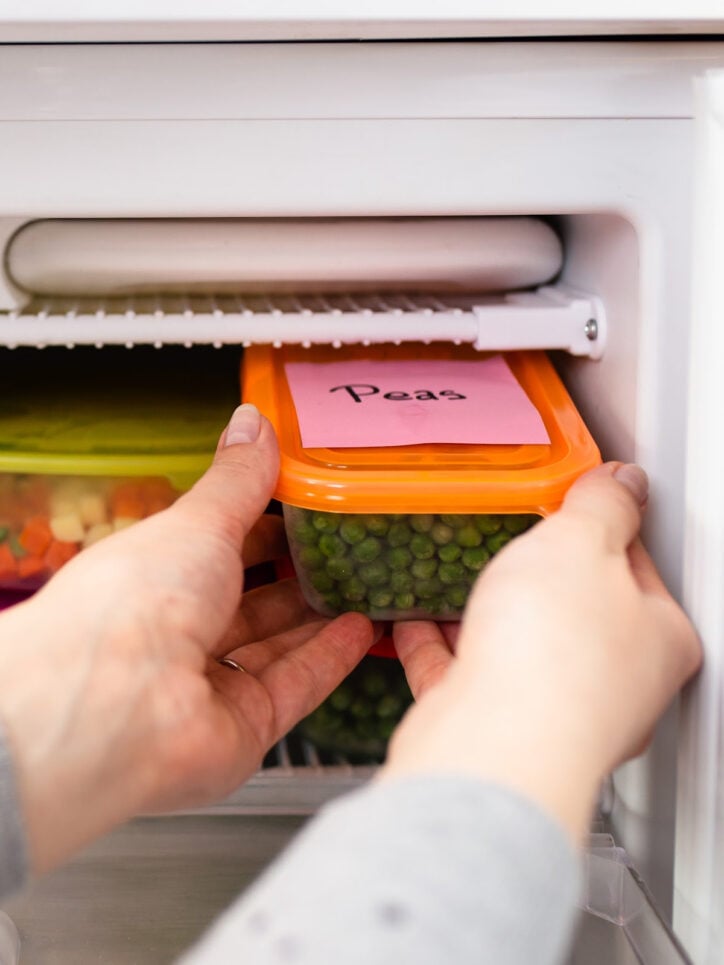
405, 601
423, 569
488, 524
374, 574
341, 698
321, 581
399, 534
311, 557
352, 530
374, 684
380, 597
15, 547
398, 558
426, 589
366, 551
435, 605
456, 596
332, 545
449, 553
442, 534
326, 522
475, 558
517, 523
305, 533
334, 602
498, 540
455, 520
340, 567
389, 706
353, 589
451, 573
401, 581
4, 533
422, 547
422, 522
377, 525
468, 536
361, 708
387, 729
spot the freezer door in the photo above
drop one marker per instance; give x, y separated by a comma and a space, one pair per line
699, 870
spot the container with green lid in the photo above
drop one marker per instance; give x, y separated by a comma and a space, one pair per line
91, 441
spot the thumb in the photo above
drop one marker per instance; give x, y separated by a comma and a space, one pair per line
236, 488
613, 495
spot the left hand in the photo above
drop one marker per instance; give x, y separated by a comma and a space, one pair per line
110, 685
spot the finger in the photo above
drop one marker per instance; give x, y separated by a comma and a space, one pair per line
644, 571
256, 657
423, 652
609, 497
266, 541
234, 491
300, 680
266, 612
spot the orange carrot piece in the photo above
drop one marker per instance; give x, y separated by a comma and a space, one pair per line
31, 566
8, 564
59, 553
36, 536
128, 507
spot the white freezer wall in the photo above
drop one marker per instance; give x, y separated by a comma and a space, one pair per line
596, 134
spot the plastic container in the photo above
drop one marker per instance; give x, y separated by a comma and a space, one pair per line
402, 532
91, 442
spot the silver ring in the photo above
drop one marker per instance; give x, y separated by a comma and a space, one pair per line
228, 662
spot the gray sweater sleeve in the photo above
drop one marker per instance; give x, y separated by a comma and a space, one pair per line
13, 853
419, 871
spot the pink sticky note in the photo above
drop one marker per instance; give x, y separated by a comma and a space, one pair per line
372, 403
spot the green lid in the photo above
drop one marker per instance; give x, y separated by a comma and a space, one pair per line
115, 412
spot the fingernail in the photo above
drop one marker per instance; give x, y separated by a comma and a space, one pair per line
244, 426
635, 479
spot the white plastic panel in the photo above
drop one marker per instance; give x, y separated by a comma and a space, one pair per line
115, 20
699, 910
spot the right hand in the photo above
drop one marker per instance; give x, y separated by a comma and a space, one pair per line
570, 649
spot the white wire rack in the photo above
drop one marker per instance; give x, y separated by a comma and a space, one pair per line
546, 318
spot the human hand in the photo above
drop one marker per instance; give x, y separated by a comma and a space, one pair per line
110, 685
570, 649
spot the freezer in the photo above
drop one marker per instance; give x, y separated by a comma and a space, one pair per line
241, 194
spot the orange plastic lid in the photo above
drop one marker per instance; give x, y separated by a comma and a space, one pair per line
423, 478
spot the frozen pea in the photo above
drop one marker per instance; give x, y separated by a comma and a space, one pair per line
442, 534
340, 567
321, 581
422, 522
398, 558
456, 596
516, 523
332, 545
380, 597
305, 533
374, 574
488, 524
449, 552
401, 581
353, 590
399, 534
435, 605
423, 569
450, 573
325, 522
340, 698
366, 551
311, 557
498, 540
4, 533
334, 601
405, 601
377, 525
374, 684
422, 547
361, 708
389, 706
426, 589
468, 536
387, 728
475, 558
454, 520
352, 530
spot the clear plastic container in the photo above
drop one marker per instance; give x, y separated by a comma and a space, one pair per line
91, 442
401, 532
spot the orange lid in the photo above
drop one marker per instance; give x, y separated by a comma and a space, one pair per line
423, 478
